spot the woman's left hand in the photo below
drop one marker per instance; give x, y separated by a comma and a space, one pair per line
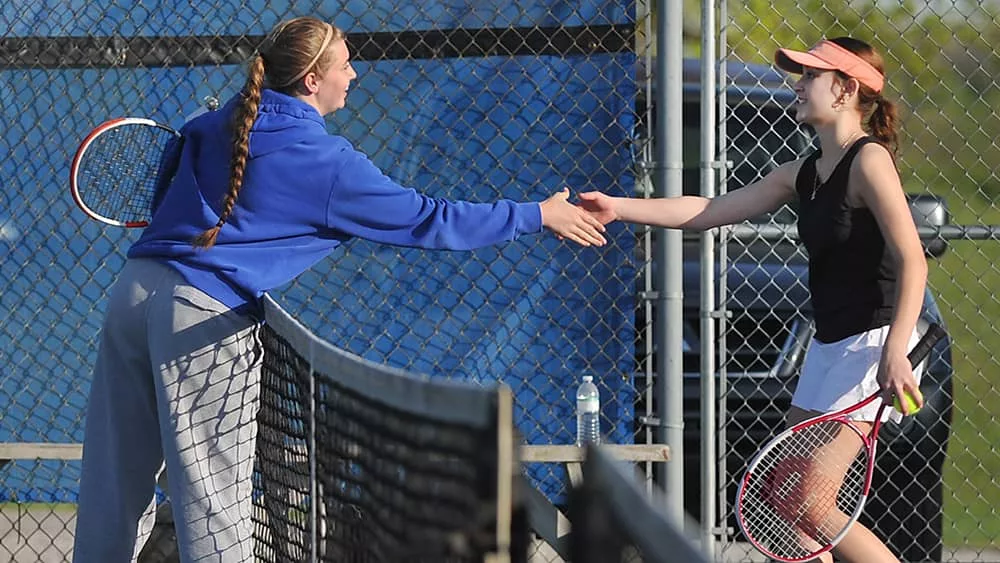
569, 221
895, 378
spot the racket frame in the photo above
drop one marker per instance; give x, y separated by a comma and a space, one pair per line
74, 185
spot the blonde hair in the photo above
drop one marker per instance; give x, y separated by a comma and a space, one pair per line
292, 49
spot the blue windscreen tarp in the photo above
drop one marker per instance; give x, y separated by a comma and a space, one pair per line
536, 314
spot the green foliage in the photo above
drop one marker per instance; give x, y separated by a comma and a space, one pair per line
965, 281
939, 64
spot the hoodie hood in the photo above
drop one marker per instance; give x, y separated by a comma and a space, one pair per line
277, 116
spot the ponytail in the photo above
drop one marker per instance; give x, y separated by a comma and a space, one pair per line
243, 118
883, 120
883, 124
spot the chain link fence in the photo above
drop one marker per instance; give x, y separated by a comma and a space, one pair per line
460, 100
936, 490
481, 100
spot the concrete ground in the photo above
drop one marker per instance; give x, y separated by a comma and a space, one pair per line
44, 534
744, 553
36, 533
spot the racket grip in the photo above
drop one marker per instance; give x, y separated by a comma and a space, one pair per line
934, 333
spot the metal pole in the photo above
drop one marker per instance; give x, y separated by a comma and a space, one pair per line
644, 50
708, 305
669, 261
313, 475
722, 139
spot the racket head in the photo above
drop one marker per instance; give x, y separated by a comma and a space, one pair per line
792, 503
118, 168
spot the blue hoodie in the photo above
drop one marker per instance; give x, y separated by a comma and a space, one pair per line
304, 193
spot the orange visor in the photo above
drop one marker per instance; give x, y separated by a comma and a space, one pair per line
827, 55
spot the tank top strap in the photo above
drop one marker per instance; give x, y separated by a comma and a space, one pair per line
806, 177
844, 166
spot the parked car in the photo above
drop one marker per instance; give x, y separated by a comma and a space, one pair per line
770, 327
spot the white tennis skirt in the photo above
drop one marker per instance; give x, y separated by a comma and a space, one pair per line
839, 374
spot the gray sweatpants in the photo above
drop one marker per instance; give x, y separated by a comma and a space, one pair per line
176, 384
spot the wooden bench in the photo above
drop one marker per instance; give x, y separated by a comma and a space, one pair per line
572, 455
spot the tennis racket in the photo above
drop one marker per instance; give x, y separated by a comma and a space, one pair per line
121, 168
806, 487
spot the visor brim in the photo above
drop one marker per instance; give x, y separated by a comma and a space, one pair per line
793, 61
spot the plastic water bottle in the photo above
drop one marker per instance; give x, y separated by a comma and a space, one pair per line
588, 412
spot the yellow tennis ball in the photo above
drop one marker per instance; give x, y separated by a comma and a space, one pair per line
910, 402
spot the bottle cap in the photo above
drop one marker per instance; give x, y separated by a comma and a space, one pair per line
588, 378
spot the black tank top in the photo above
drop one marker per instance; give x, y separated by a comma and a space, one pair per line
852, 275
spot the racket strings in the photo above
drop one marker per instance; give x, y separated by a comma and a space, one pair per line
802, 493
119, 173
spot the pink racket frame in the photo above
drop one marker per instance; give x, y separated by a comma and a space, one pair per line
870, 441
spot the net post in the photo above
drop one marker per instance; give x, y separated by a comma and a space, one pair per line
505, 473
313, 477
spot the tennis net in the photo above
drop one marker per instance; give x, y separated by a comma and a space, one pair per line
358, 461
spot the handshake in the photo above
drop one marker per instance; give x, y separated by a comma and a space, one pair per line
583, 222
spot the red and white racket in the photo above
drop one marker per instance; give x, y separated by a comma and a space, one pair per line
806, 487
121, 167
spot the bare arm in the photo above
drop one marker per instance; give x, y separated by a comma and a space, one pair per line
699, 213
878, 186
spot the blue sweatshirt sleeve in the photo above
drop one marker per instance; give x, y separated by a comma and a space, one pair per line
366, 203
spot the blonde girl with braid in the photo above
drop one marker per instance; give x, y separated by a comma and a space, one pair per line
261, 192
867, 269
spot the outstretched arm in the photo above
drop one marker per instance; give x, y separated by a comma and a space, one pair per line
698, 213
366, 203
